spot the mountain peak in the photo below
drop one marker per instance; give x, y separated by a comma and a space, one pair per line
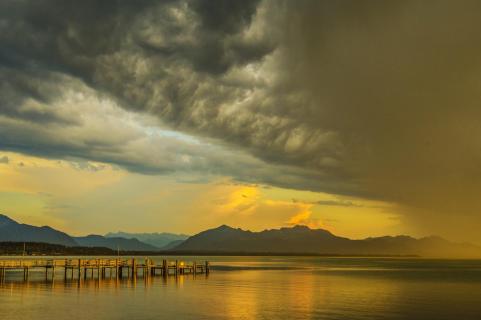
305, 229
224, 227
300, 227
4, 220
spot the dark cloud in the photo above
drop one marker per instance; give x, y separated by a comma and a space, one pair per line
26, 95
371, 99
42, 38
221, 16
218, 46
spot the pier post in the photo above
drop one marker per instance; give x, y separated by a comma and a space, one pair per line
152, 270
134, 269
98, 269
206, 267
165, 270
146, 268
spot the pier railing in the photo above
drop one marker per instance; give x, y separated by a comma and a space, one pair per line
119, 268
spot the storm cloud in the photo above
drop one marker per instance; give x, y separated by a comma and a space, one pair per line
371, 99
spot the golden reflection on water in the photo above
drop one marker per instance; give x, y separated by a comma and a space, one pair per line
337, 291
95, 283
304, 294
242, 294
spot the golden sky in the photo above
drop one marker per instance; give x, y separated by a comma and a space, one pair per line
80, 200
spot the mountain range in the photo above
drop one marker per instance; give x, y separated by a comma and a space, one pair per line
161, 240
228, 240
114, 243
303, 240
10, 230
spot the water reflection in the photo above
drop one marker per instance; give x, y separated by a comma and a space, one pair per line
16, 282
257, 289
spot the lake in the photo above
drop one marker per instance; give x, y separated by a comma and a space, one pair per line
262, 288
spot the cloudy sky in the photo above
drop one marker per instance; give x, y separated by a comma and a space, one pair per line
362, 117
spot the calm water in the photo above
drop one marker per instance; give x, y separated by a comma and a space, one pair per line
263, 288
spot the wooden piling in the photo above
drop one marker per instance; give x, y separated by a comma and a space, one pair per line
25, 273
165, 269
134, 269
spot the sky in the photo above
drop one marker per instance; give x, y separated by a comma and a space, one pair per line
360, 117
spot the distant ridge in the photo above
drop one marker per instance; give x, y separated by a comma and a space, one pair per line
161, 240
114, 243
10, 230
301, 239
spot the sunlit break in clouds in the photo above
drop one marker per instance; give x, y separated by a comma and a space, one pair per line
362, 118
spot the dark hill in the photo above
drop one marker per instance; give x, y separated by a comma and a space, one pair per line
11, 230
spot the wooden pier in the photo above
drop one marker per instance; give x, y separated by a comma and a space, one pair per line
100, 268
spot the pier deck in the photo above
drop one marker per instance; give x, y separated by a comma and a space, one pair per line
100, 268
